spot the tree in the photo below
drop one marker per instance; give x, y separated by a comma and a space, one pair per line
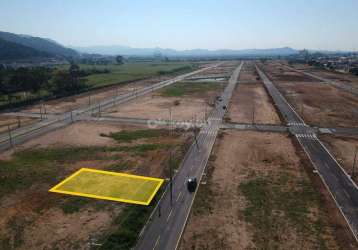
65, 83
74, 70
119, 59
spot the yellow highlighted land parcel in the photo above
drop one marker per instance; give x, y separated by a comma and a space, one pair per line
110, 186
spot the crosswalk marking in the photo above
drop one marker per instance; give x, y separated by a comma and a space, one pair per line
309, 136
295, 124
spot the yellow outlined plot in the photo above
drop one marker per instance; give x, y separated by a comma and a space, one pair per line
110, 186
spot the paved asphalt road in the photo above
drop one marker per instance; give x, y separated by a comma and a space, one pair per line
165, 231
26, 133
343, 190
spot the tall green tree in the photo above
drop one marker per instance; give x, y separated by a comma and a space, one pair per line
64, 83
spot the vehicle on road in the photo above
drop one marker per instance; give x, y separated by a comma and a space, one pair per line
192, 184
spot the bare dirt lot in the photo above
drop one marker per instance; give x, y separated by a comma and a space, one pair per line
258, 196
278, 73
250, 101
157, 107
224, 69
343, 149
33, 218
183, 100
320, 104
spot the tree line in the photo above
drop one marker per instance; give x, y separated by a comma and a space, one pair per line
27, 83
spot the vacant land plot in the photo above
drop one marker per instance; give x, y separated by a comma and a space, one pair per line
183, 101
343, 149
33, 218
224, 70
258, 196
108, 185
250, 102
322, 105
318, 103
278, 73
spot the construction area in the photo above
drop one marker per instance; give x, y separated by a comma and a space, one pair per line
117, 161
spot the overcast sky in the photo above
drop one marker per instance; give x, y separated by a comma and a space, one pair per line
184, 24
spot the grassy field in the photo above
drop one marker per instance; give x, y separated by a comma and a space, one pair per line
118, 74
189, 88
272, 205
133, 71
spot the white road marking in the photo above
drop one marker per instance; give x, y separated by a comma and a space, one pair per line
170, 213
178, 196
156, 243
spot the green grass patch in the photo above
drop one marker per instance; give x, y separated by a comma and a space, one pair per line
189, 88
133, 71
128, 223
272, 203
129, 136
40, 165
43, 165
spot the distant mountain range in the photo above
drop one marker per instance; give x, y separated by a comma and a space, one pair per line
129, 51
14, 46
19, 47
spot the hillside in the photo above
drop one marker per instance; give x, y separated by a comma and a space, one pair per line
40, 44
14, 51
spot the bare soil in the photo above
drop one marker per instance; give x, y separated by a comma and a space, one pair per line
77, 134
250, 101
158, 107
278, 73
321, 104
225, 69
218, 219
318, 103
33, 218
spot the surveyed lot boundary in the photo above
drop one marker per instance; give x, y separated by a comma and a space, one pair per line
112, 186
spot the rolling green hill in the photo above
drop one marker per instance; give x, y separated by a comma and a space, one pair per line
13, 51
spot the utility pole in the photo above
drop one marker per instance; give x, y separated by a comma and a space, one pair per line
71, 116
195, 137
18, 121
354, 162
10, 138
253, 113
170, 122
89, 100
41, 112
